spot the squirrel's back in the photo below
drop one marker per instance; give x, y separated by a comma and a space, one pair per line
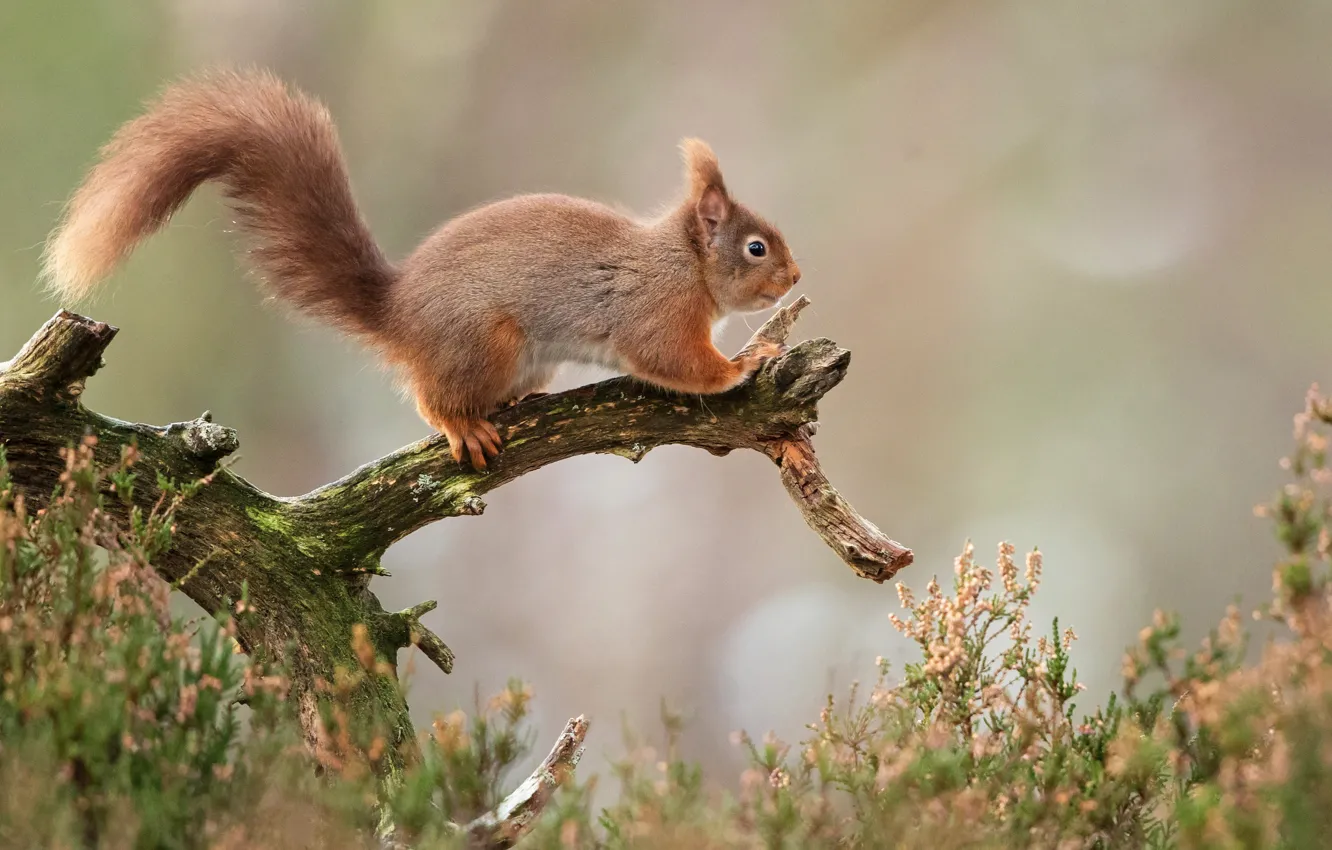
277, 155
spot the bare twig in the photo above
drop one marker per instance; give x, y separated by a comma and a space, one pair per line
515, 816
420, 636
778, 327
859, 542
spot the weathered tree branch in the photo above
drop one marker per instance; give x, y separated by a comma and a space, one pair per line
306, 562
507, 824
517, 813
420, 484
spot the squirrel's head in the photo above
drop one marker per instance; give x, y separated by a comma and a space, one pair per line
745, 259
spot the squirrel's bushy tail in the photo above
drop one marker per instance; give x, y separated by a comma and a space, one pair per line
276, 153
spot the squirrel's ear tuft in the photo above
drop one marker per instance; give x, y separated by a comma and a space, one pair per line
707, 190
701, 169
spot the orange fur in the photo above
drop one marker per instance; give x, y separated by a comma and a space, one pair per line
486, 308
455, 404
277, 154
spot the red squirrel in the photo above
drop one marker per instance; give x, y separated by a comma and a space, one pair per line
487, 307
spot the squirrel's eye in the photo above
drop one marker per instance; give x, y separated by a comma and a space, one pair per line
756, 249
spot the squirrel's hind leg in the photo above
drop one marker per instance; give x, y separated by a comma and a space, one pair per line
456, 393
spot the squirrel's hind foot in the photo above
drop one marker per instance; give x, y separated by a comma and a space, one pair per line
477, 437
514, 402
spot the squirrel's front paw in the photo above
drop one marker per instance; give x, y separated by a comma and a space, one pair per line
765, 351
761, 353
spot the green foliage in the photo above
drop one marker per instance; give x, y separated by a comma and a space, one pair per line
123, 726
116, 718
980, 743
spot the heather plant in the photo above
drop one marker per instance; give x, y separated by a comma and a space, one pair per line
1247, 746
119, 721
123, 725
975, 745
980, 743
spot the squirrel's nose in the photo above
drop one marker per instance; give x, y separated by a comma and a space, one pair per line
795, 274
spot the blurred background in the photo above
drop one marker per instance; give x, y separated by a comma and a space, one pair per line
1079, 251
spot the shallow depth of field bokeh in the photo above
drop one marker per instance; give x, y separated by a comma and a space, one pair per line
1078, 251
